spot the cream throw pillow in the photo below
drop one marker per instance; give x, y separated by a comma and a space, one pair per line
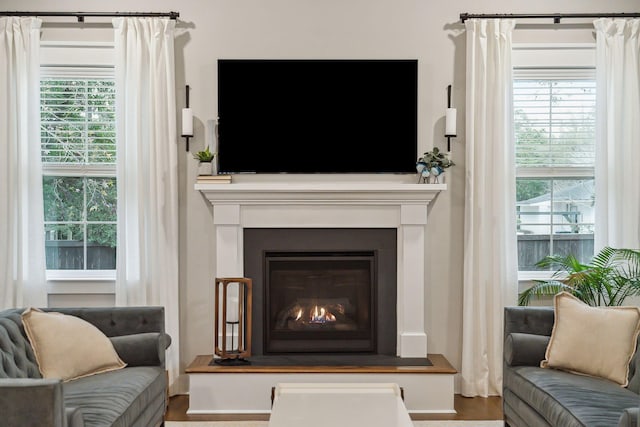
596, 341
68, 347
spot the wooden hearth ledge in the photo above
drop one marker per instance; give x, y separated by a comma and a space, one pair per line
440, 366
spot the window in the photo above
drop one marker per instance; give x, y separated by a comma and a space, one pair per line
554, 126
79, 180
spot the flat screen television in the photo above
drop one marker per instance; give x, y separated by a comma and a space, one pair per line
317, 116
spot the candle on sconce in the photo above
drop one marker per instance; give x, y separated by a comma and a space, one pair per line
187, 122
450, 122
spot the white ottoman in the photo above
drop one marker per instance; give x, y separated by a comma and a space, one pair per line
338, 405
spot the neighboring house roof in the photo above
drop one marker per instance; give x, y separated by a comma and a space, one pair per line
582, 192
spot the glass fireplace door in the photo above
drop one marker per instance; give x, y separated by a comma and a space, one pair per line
320, 302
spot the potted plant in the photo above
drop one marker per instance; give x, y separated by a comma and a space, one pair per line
433, 163
610, 277
205, 159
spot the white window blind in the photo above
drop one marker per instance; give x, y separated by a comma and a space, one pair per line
77, 120
554, 122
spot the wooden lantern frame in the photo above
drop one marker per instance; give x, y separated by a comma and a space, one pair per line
234, 356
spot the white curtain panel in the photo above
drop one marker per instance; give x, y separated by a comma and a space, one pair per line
147, 258
490, 257
618, 133
22, 263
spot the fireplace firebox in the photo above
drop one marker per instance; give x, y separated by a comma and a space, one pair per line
322, 291
320, 302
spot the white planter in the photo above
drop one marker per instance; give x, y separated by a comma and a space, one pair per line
437, 179
205, 168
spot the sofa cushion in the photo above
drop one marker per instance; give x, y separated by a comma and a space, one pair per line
68, 347
566, 399
118, 398
519, 414
597, 341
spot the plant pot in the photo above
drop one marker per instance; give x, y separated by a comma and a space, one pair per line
205, 168
437, 175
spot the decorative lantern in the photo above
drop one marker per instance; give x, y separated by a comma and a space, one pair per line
232, 325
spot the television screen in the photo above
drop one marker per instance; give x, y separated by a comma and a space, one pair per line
317, 116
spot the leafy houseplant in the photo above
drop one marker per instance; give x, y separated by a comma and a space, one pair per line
204, 155
205, 158
433, 163
611, 276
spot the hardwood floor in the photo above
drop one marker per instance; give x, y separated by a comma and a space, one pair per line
468, 408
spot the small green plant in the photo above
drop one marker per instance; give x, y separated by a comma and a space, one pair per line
204, 155
611, 276
435, 159
431, 165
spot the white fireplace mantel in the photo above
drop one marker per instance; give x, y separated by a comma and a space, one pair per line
373, 193
402, 206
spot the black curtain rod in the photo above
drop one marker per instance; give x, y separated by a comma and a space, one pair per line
81, 15
555, 16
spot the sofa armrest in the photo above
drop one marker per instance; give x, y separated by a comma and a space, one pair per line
528, 320
629, 417
525, 349
147, 349
30, 402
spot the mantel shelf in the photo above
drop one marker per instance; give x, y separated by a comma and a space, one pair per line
379, 193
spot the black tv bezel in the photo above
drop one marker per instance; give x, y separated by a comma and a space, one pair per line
410, 167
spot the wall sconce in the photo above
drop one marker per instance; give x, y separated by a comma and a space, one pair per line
450, 120
232, 324
187, 121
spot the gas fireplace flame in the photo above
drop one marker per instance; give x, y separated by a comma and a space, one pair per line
321, 315
317, 314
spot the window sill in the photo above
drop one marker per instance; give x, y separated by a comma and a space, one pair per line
81, 282
81, 275
528, 276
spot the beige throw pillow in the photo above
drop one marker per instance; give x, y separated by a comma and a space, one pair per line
596, 341
68, 347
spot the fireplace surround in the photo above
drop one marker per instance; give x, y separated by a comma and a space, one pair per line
334, 205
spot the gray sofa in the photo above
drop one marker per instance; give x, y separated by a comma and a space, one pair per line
135, 396
534, 396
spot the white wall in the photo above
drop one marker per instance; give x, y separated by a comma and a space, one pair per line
428, 30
